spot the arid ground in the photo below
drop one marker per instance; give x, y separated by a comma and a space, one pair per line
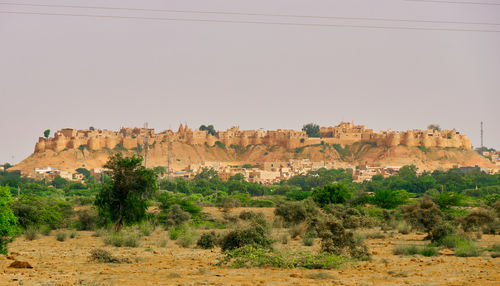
154, 263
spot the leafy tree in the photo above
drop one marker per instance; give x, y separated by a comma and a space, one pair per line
311, 129
84, 172
59, 182
124, 199
331, 194
91, 128
209, 129
8, 221
389, 199
46, 133
434, 127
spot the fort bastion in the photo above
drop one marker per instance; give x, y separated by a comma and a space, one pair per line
344, 134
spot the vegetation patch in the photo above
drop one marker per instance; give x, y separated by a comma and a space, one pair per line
254, 256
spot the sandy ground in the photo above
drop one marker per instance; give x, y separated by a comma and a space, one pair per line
66, 263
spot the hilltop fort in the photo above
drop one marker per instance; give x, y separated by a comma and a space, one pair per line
268, 155
342, 134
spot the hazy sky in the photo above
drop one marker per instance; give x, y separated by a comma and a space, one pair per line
60, 71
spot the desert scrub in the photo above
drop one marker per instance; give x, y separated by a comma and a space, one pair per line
253, 235
207, 240
61, 236
464, 247
146, 228
126, 237
104, 256
31, 233
468, 249
254, 256
176, 231
403, 227
187, 238
414, 249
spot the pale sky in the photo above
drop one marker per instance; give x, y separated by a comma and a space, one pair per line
76, 72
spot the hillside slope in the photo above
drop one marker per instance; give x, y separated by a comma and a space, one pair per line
183, 155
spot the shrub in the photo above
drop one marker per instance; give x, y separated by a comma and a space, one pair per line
403, 227
207, 240
176, 231
146, 228
414, 249
442, 230
469, 249
475, 219
103, 256
126, 237
423, 215
254, 235
298, 230
187, 238
73, 234
36, 210
334, 239
284, 238
31, 233
177, 216
294, 213
45, 230
253, 256
61, 236
8, 221
86, 219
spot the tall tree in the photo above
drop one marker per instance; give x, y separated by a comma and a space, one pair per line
311, 129
124, 199
46, 133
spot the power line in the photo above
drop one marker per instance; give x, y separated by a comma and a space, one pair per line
249, 14
457, 2
253, 22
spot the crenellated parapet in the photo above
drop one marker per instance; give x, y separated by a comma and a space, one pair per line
343, 134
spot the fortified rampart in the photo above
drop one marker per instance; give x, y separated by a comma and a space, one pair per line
343, 134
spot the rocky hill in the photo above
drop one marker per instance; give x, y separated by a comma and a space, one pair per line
346, 145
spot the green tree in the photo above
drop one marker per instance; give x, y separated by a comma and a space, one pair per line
59, 182
434, 127
124, 200
389, 199
311, 129
8, 221
91, 128
46, 133
331, 194
209, 129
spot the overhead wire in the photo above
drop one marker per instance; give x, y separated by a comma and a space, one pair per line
249, 14
252, 22
457, 2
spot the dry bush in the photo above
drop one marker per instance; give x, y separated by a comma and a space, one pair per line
176, 216
104, 256
475, 219
442, 230
294, 213
299, 229
86, 219
351, 218
208, 240
31, 233
335, 239
423, 215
